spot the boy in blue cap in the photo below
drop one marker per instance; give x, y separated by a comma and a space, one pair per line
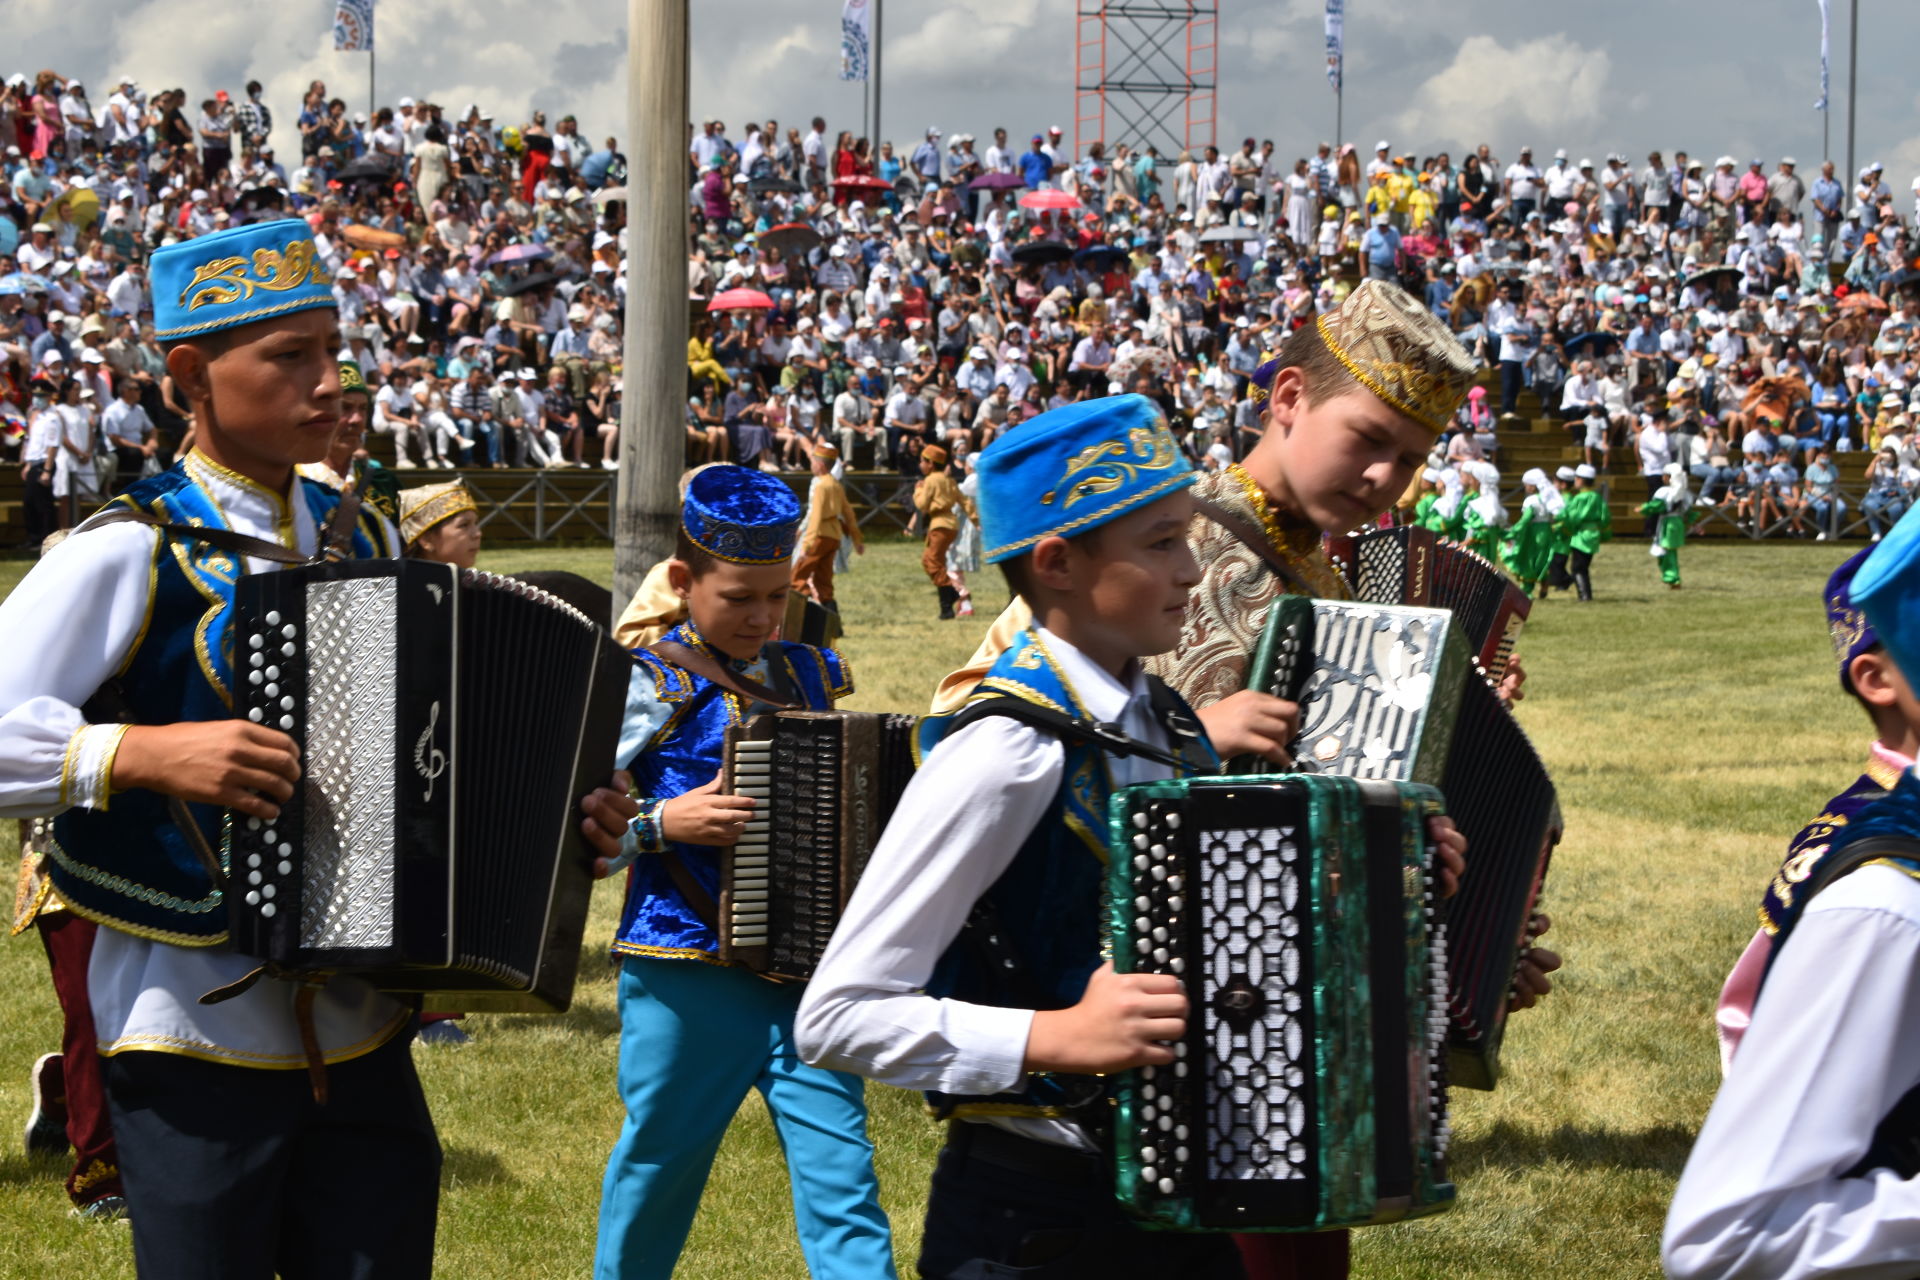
1868, 674
1809, 1162
115, 715
697, 1033
1086, 510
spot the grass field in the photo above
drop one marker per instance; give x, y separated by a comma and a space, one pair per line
1690, 732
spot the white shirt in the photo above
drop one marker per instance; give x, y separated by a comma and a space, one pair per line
126, 421
69, 626
1525, 180
1833, 1045
957, 829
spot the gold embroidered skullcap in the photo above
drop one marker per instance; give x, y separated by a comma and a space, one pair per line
429, 505
1397, 349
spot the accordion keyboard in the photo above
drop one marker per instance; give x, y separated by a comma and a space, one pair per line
752, 854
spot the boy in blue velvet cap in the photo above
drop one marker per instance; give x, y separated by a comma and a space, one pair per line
1809, 1162
697, 1033
283, 1128
969, 962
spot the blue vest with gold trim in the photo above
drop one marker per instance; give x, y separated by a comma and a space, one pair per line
1047, 903
684, 754
128, 866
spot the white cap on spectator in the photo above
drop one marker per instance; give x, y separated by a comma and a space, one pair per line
1054, 130
978, 353
56, 314
600, 267
199, 194
1241, 322
838, 251
1560, 153
43, 228
864, 322
90, 356
406, 102
53, 356
806, 323
901, 371
528, 375
601, 240
359, 117
1380, 145
870, 363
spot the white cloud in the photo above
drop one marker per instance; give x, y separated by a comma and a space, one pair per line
1551, 85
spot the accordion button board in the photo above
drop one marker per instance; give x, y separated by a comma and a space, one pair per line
1310, 1089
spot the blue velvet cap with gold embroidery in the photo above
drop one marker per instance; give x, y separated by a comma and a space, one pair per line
236, 277
1886, 588
1073, 469
741, 515
1852, 634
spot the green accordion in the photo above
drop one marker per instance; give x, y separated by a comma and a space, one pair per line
1309, 1091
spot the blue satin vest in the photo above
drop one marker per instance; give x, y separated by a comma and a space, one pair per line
128, 866
1047, 903
684, 754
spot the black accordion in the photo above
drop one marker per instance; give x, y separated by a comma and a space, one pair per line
449, 722
1393, 693
1310, 1089
1414, 566
824, 783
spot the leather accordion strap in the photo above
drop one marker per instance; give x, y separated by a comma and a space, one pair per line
1109, 738
1255, 540
699, 901
336, 540
310, 983
692, 660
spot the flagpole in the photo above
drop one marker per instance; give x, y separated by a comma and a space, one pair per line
372, 96
874, 153
1848, 178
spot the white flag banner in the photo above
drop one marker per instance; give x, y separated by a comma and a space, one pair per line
353, 26
1822, 104
1337, 41
856, 39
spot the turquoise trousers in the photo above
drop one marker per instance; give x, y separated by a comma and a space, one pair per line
694, 1038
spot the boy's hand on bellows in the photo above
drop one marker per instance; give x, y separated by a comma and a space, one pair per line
609, 809
235, 764
1124, 1020
1250, 723
704, 816
1450, 861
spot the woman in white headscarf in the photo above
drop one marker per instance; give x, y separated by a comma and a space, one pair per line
1528, 549
1448, 508
1482, 512
1671, 508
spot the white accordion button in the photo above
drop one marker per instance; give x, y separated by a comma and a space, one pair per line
254, 877
273, 618
285, 850
272, 690
286, 722
286, 703
253, 898
256, 715
1173, 821
256, 659
253, 824
288, 649
273, 673
267, 909
1149, 1155
1139, 819
1166, 1186
256, 641
253, 860
266, 891
285, 868
254, 677
289, 631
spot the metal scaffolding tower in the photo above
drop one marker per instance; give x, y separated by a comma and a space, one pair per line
1144, 75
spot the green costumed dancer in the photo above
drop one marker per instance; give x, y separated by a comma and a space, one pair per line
1587, 524
1528, 551
1672, 507
1482, 517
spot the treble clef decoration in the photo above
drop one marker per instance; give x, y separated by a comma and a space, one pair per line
430, 760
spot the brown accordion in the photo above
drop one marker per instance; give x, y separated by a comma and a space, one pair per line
824, 784
1414, 566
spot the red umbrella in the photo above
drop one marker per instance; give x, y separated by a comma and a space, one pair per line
741, 300
1048, 200
863, 182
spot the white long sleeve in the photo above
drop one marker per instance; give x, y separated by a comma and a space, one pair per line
962, 820
1834, 1043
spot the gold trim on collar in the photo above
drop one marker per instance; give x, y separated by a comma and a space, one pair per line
208, 468
1884, 775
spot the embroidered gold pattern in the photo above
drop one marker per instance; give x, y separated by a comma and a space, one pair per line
1152, 448
225, 280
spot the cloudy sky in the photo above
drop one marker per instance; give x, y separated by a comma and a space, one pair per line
1704, 75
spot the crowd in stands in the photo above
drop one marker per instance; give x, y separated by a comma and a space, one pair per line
1750, 322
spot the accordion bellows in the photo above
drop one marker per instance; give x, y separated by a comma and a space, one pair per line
1414, 566
1310, 1089
433, 844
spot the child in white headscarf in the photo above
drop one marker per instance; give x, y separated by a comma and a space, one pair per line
1482, 513
1528, 550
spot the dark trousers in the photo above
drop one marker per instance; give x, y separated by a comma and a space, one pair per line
42, 512
1582, 562
68, 939
1005, 1206
1513, 377
234, 1173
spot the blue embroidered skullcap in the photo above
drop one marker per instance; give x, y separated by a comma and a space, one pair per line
235, 277
741, 515
1073, 469
1852, 634
1886, 588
